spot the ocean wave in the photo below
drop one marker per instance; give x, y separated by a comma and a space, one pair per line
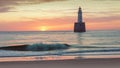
36, 47
94, 46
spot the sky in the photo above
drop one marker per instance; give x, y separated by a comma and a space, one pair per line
58, 15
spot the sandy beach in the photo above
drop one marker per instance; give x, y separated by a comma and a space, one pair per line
73, 63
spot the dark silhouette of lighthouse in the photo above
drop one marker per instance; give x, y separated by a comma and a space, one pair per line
80, 25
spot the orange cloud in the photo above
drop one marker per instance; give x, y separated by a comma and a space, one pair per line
104, 26
62, 23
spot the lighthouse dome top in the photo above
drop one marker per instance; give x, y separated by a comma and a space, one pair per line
79, 7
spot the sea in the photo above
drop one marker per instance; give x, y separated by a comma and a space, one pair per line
83, 45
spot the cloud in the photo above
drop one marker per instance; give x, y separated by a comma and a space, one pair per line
60, 23
6, 5
106, 19
106, 0
5, 9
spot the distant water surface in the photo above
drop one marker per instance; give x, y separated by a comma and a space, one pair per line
82, 44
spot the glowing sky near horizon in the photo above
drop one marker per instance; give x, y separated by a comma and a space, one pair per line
33, 15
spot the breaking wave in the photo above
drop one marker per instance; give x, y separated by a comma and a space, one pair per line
36, 47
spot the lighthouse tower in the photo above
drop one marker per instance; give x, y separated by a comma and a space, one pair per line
80, 25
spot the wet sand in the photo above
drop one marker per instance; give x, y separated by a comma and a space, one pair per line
73, 63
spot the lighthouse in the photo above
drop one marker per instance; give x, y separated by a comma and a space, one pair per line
79, 26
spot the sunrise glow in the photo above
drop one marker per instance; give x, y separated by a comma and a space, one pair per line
43, 28
28, 15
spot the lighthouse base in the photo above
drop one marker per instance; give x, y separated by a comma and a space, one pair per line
79, 27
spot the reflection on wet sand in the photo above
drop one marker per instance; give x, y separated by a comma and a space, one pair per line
36, 58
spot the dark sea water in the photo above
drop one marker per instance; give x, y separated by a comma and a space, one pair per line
81, 44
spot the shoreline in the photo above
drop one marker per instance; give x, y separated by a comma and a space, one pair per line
72, 63
55, 58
